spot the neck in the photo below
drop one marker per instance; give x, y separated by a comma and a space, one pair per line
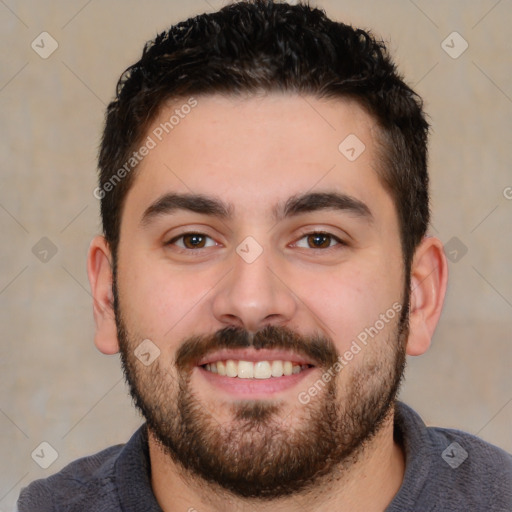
368, 484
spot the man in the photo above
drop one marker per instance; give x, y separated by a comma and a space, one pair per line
264, 271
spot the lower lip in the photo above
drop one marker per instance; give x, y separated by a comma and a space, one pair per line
254, 388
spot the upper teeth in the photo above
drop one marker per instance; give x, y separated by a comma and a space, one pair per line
254, 370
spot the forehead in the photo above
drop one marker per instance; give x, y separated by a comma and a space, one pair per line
257, 151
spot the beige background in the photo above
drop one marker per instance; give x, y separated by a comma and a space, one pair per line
57, 388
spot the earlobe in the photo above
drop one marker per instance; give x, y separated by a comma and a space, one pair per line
99, 270
429, 276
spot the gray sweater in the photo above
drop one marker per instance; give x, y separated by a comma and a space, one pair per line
446, 471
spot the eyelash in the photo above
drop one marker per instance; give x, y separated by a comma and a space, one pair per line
339, 242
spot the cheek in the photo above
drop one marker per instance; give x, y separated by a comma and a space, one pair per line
351, 299
158, 299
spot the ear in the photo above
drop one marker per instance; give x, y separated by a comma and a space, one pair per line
429, 276
99, 269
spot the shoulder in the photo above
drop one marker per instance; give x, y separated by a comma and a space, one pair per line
474, 467
86, 481
451, 468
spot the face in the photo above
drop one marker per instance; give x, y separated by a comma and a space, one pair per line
263, 262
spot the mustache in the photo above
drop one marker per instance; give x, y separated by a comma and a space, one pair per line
317, 348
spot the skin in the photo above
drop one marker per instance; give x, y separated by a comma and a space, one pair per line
254, 153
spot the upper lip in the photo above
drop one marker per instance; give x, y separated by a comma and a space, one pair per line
254, 355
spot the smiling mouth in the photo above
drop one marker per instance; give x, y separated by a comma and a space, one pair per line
255, 369
250, 373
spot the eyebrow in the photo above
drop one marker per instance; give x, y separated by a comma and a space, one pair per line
295, 205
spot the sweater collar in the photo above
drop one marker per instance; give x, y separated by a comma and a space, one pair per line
133, 475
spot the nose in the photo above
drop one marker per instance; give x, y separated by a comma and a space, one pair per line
254, 294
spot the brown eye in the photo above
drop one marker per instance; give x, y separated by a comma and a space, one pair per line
192, 241
319, 240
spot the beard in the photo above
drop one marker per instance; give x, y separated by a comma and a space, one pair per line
261, 453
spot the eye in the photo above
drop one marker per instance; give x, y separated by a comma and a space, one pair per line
318, 240
313, 240
192, 241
